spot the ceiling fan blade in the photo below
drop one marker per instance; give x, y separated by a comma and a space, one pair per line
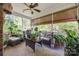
26, 4
25, 9
35, 4
37, 10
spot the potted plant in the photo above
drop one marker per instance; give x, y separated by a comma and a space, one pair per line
58, 40
33, 36
72, 43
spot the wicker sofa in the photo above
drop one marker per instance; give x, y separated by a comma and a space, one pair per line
14, 40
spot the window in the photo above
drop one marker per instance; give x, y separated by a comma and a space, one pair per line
18, 21
59, 27
26, 24
45, 27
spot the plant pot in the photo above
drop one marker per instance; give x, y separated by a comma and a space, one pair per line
57, 44
70, 51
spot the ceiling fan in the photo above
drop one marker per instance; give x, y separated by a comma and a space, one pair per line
31, 7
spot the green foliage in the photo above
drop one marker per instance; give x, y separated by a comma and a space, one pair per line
13, 28
71, 39
33, 35
44, 27
59, 37
68, 25
5, 42
71, 33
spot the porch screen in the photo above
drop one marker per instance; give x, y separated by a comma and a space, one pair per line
43, 20
65, 15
